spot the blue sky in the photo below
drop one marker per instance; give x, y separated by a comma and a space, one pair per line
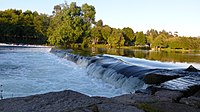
172, 15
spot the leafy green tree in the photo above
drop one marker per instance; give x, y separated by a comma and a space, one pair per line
57, 8
128, 35
88, 12
19, 27
160, 41
116, 38
163, 32
106, 32
96, 34
193, 43
141, 39
152, 32
88, 15
41, 23
151, 35
99, 23
71, 24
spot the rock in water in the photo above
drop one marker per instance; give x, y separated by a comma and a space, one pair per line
192, 69
158, 78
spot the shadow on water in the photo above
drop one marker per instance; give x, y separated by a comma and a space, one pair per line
163, 56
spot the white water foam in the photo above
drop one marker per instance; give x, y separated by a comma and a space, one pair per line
32, 71
109, 75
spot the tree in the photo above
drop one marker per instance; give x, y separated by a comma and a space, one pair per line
141, 39
128, 35
96, 34
151, 35
99, 23
106, 32
57, 8
88, 13
176, 34
116, 38
53, 32
41, 23
178, 43
164, 33
23, 27
160, 41
72, 24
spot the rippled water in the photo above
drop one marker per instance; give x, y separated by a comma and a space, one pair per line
156, 64
28, 71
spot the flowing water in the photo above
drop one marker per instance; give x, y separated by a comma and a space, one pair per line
34, 70
28, 71
156, 64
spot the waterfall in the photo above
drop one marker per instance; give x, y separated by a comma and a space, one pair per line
111, 71
128, 76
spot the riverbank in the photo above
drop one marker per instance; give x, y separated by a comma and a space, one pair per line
23, 45
159, 100
77, 46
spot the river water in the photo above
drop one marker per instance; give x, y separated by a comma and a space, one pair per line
34, 70
28, 71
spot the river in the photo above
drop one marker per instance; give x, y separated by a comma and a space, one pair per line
161, 58
34, 70
27, 71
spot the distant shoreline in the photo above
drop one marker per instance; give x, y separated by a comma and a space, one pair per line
24, 45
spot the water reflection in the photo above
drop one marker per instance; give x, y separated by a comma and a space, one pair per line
164, 56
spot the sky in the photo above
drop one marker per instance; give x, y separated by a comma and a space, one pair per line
182, 16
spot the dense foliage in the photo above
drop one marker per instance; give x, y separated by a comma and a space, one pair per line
71, 25
23, 27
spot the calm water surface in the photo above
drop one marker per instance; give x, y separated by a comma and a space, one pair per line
177, 58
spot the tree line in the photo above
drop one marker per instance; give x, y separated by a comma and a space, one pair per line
71, 25
23, 27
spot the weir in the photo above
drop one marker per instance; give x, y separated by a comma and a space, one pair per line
130, 77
